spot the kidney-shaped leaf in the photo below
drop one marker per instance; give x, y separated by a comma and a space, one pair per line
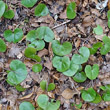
28, 3
2, 46
92, 72
106, 96
51, 87
79, 77
80, 59
88, 95
98, 30
18, 72
2, 8
63, 49
9, 14
61, 63
15, 36
71, 14
72, 70
37, 68
45, 33
41, 10
26, 106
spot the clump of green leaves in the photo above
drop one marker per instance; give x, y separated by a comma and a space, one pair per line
71, 14
28, 3
41, 10
26, 106
98, 30
92, 72
63, 49
2, 46
43, 102
17, 73
50, 87
5, 12
15, 36
37, 68
31, 53
108, 16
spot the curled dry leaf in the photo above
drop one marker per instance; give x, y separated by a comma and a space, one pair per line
26, 97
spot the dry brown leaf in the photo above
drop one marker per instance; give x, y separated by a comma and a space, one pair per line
26, 97
43, 53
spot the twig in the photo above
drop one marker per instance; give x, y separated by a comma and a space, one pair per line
61, 24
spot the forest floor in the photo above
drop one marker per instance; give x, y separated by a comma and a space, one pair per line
78, 31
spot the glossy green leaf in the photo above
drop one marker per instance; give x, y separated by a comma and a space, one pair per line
18, 72
72, 69
105, 88
106, 47
79, 77
106, 96
43, 84
9, 14
42, 101
92, 72
41, 10
37, 68
71, 14
97, 99
15, 36
45, 33
63, 49
51, 87
28, 3
38, 44
61, 63
2, 46
20, 88
26, 106
83, 57
95, 47
98, 30
108, 16
31, 53
88, 95
2, 8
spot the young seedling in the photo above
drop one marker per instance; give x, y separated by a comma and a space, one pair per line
43, 84
26, 106
2, 46
43, 102
18, 72
98, 30
108, 16
37, 68
31, 53
80, 59
15, 36
62, 64
63, 49
28, 3
51, 87
92, 72
41, 10
71, 14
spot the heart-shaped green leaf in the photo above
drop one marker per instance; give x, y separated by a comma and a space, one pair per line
2, 46
106, 47
97, 99
92, 72
15, 36
79, 77
63, 49
88, 95
37, 68
106, 96
9, 14
51, 87
45, 33
83, 57
71, 14
98, 30
26, 106
38, 44
31, 53
28, 3
18, 72
108, 16
41, 10
2, 8
61, 63
43, 84
72, 69
95, 47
